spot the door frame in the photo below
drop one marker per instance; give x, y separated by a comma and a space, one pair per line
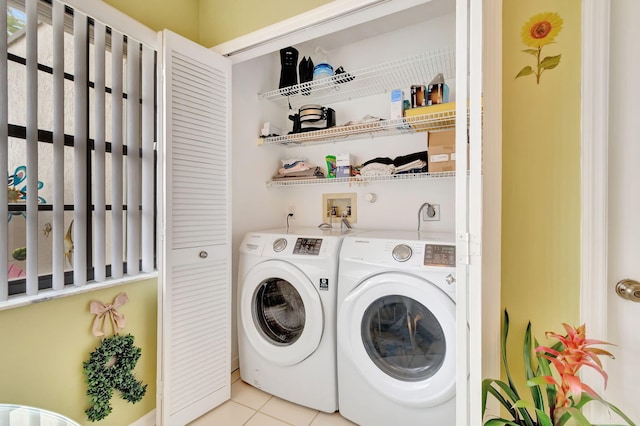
594, 176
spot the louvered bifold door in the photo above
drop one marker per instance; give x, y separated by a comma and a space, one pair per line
195, 333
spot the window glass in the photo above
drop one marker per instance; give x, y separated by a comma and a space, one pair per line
48, 178
279, 311
403, 338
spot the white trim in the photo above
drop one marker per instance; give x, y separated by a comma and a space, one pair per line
148, 419
594, 166
491, 194
461, 215
329, 18
46, 295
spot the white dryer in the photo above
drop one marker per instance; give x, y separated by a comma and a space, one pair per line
396, 329
287, 289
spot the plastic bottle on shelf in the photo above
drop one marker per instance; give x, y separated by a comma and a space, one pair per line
323, 68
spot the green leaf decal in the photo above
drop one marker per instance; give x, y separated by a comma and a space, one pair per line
533, 52
525, 71
550, 62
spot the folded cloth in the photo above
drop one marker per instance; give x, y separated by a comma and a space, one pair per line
377, 169
378, 160
290, 165
420, 170
300, 166
405, 159
311, 173
291, 162
417, 164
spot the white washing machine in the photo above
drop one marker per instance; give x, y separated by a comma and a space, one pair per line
287, 289
396, 329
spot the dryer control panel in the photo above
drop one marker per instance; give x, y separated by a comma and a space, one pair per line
310, 246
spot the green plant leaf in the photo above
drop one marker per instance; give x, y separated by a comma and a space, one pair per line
533, 52
588, 398
528, 367
563, 415
543, 418
525, 71
516, 397
544, 369
524, 404
503, 352
550, 62
487, 387
500, 422
578, 416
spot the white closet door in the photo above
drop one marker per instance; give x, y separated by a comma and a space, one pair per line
195, 310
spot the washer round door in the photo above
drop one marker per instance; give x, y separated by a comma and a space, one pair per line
280, 312
398, 330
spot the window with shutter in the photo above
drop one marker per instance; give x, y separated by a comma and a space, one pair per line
78, 125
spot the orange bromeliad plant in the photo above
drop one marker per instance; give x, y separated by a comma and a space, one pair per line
577, 352
565, 393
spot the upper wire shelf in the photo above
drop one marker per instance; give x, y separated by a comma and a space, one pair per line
400, 73
442, 120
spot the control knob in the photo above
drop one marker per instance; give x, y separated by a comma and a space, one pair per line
279, 244
402, 252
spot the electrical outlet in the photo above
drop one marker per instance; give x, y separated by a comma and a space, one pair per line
291, 209
435, 213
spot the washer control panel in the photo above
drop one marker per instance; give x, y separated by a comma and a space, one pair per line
308, 246
439, 255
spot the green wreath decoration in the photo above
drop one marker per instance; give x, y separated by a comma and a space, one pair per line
103, 378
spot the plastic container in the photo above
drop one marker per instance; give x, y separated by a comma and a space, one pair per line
323, 68
331, 166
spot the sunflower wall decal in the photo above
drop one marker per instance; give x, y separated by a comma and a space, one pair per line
539, 31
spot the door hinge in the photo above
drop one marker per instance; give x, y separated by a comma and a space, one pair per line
462, 248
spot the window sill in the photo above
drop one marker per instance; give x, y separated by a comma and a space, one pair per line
71, 290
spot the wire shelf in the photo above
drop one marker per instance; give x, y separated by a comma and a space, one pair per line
419, 69
441, 120
360, 180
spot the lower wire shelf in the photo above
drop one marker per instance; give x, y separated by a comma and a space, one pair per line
359, 180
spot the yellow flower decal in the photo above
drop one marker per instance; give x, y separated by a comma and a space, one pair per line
539, 31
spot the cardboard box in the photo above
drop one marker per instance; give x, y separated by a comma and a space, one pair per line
343, 165
441, 147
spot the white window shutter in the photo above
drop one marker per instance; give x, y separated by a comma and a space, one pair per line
195, 261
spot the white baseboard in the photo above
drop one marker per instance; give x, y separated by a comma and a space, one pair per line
148, 419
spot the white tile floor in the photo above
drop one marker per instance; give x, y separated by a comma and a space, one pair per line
252, 407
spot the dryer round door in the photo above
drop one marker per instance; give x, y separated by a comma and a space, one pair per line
280, 312
398, 330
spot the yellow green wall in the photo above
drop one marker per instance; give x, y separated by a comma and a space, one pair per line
45, 344
211, 22
181, 16
541, 178
222, 21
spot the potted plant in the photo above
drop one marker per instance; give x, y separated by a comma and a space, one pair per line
557, 393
